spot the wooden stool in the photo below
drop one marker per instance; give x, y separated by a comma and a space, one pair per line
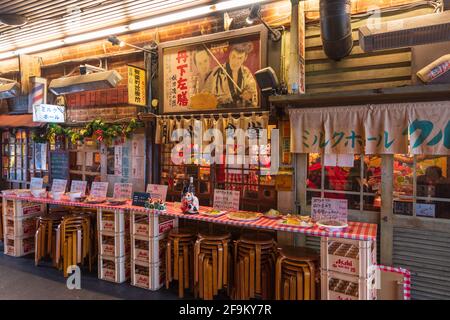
295, 273
254, 263
179, 250
73, 245
212, 262
46, 236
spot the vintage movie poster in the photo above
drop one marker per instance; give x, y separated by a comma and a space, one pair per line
214, 75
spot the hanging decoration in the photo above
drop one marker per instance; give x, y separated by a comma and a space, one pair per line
96, 129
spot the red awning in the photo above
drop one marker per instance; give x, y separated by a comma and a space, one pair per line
14, 121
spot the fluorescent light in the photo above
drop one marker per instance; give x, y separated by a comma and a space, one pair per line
40, 47
96, 34
152, 22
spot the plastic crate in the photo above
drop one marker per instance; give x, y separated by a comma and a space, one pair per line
352, 257
19, 227
18, 246
116, 270
148, 251
18, 208
150, 225
113, 221
148, 276
340, 286
114, 244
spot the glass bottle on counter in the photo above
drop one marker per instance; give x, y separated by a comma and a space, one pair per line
191, 188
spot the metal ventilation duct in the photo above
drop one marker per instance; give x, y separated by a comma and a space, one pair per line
9, 90
407, 32
86, 82
336, 28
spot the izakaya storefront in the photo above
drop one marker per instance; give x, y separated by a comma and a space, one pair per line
391, 162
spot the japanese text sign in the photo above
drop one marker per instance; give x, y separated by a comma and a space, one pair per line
99, 189
329, 209
36, 183
226, 199
136, 86
123, 190
59, 185
157, 191
78, 186
48, 113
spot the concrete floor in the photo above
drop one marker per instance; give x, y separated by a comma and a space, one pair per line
20, 279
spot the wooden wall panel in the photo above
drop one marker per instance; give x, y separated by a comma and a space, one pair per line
360, 70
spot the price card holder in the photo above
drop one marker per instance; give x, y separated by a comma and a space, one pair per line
59, 185
36, 183
226, 200
157, 191
99, 189
78, 186
139, 198
122, 190
329, 209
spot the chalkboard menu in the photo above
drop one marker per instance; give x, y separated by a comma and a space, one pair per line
59, 164
139, 198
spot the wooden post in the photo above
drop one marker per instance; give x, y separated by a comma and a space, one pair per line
387, 215
294, 56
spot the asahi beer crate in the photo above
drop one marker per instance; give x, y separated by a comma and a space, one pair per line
19, 227
340, 286
114, 244
18, 246
150, 276
113, 221
18, 208
352, 257
151, 225
148, 251
116, 270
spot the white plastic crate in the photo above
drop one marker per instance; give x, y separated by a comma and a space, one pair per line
18, 246
116, 270
340, 286
148, 251
148, 276
352, 257
151, 225
19, 227
18, 208
114, 244
113, 221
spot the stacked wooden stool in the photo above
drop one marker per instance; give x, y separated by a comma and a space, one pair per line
46, 236
296, 273
254, 265
179, 259
212, 264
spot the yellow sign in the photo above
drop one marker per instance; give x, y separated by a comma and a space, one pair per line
136, 86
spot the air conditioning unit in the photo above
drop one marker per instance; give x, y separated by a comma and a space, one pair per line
408, 32
9, 89
85, 82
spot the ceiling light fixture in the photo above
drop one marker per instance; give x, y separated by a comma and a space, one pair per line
8, 88
117, 42
148, 23
255, 15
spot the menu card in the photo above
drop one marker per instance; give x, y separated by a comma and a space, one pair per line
36, 183
157, 191
99, 189
78, 186
123, 190
59, 185
226, 200
329, 209
140, 198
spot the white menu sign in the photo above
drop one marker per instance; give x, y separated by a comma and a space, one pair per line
48, 113
59, 185
157, 191
123, 190
99, 189
329, 209
36, 183
78, 186
226, 199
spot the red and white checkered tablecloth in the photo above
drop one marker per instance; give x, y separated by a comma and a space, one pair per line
406, 279
355, 230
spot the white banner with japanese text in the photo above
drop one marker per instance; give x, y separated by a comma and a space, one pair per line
400, 128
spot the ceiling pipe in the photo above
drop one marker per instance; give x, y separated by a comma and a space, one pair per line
336, 28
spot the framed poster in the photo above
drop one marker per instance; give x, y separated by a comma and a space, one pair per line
212, 72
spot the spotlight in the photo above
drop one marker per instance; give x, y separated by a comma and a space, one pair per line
255, 14
117, 42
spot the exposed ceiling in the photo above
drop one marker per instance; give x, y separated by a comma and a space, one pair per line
53, 19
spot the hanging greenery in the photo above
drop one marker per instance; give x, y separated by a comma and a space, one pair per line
96, 129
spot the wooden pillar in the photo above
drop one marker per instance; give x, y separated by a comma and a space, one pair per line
387, 214
294, 56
